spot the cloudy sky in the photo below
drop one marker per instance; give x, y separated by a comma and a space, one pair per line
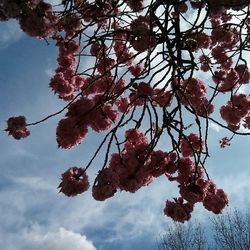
33, 216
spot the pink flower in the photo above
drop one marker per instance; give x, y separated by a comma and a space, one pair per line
105, 185
135, 5
142, 36
40, 21
162, 162
136, 70
62, 86
178, 210
123, 105
74, 181
162, 98
244, 73
70, 132
205, 62
195, 191
17, 127
134, 138
235, 110
247, 122
224, 142
104, 65
216, 199
190, 145
103, 118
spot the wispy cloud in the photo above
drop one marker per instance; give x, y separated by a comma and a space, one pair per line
214, 126
63, 239
9, 33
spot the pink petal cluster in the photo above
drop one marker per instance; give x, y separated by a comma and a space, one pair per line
193, 93
39, 21
35, 17
133, 168
193, 188
84, 113
191, 144
135, 5
215, 200
235, 110
178, 210
142, 36
74, 181
16, 127
226, 80
234, 4
243, 72
64, 82
105, 185
225, 141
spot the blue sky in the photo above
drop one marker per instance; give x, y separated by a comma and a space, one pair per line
33, 215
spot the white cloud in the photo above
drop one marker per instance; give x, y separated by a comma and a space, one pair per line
62, 239
214, 126
54, 2
9, 33
34, 183
49, 72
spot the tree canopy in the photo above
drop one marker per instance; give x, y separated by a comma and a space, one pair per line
140, 72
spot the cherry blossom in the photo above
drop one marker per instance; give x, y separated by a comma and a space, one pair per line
178, 210
74, 182
16, 127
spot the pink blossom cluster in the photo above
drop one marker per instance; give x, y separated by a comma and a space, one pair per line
122, 52
16, 127
234, 4
236, 110
123, 105
178, 210
205, 62
135, 5
191, 144
133, 168
193, 188
39, 21
215, 200
84, 113
98, 84
225, 141
64, 82
225, 37
14, 8
142, 37
95, 11
36, 17
136, 70
244, 73
144, 92
70, 25
74, 181
220, 55
196, 41
226, 80
192, 93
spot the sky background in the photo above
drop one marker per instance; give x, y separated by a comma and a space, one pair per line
33, 216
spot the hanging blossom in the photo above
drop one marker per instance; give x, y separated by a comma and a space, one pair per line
74, 182
16, 127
